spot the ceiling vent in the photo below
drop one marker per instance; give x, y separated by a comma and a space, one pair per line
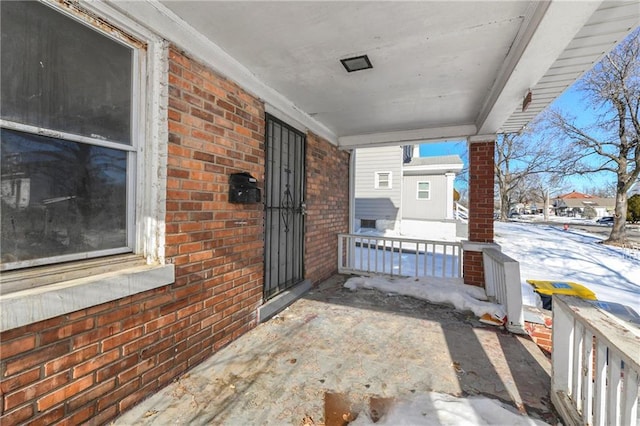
356, 63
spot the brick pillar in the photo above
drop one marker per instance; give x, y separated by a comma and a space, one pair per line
481, 189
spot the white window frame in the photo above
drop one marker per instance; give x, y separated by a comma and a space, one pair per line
377, 180
418, 190
34, 294
138, 92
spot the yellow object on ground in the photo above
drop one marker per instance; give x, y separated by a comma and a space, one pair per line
549, 288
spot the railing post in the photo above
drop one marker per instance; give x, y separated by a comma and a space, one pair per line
595, 365
502, 282
389, 251
340, 254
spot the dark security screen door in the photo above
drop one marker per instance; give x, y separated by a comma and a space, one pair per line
284, 218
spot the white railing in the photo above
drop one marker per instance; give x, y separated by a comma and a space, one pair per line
595, 365
360, 254
461, 213
502, 283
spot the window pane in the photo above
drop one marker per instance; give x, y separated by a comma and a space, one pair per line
383, 180
60, 74
59, 197
423, 186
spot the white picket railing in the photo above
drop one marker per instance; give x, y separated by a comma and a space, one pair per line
461, 213
502, 283
595, 365
360, 254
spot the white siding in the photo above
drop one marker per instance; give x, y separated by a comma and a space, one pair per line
372, 203
433, 208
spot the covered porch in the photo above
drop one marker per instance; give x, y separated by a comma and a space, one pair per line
213, 85
345, 348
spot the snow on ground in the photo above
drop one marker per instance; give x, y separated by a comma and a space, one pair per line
547, 252
440, 409
437, 290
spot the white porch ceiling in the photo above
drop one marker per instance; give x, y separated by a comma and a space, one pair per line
441, 69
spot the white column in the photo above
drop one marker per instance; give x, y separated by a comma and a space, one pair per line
352, 191
450, 178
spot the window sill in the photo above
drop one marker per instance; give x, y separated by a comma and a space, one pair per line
71, 293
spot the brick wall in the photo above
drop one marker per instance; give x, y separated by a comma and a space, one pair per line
481, 191
95, 363
327, 169
541, 332
481, 202
473, 268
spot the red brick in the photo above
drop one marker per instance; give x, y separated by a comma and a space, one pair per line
69, 360
36, 357
19, 381
160, 322
112, 370
78, 417
96, 335
117, 315
122, 338
18, 416
16, 346
136, 371
96, 363
136, 397
119, 393
140, 344
64, 393
49, 417
140, 319
91, 394
103, 416
35, 390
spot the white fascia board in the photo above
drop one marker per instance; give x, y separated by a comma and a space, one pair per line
432, 134
547, 30
432, 167
162, 21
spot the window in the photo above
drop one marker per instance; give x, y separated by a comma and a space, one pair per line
68, 154
368, 223
424, 192
383, 180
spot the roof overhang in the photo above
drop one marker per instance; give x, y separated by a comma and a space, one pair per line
441, 70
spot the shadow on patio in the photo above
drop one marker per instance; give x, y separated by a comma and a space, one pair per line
360, 344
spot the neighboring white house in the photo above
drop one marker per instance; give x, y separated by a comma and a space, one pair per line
398, 191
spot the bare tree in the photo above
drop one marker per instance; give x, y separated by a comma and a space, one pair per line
519, 157
611, 144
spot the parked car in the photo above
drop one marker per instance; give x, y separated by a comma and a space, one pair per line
606, 220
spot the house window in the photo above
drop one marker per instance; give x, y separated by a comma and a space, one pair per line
383, 180
424, 191
368, 223
68, 150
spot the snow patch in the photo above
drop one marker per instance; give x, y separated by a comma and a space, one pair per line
436, 290
440, 410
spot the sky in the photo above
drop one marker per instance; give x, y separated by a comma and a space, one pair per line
571, 100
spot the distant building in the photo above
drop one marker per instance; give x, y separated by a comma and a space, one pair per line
574, 203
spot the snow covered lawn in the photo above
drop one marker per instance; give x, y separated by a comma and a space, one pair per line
547, 252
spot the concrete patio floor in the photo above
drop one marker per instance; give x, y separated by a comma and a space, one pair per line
359, 344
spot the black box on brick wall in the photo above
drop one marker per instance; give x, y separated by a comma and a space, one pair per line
243, 188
